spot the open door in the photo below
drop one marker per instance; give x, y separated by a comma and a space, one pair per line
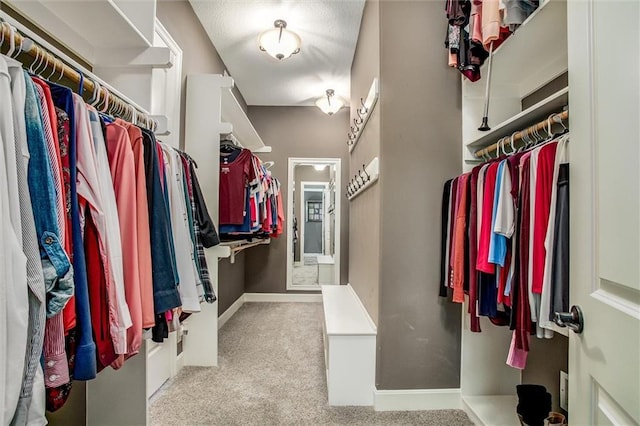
604, 84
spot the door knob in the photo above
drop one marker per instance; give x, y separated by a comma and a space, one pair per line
574, 319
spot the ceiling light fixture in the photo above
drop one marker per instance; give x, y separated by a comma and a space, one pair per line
330, 104
319, 167
280, 42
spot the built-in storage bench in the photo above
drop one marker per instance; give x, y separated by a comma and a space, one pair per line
349, 347
326, 270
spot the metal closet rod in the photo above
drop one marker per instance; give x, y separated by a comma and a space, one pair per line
491, 149
57, 66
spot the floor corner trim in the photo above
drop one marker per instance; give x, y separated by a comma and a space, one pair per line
231, 310
417, 399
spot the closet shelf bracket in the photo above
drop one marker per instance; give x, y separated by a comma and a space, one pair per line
235, 247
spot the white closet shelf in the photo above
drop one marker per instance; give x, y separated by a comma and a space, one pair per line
103, 24
541, 39
241, 127
494, 410
539, 111
231, 248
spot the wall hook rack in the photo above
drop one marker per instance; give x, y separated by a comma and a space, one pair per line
363, 113
364, 179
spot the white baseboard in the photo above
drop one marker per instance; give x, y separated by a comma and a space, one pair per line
417, 399
222, 319
282, 297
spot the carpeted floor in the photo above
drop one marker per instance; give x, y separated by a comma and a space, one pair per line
271, 372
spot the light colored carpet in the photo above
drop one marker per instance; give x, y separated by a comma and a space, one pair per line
271, 372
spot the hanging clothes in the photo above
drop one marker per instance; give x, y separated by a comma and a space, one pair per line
504, 242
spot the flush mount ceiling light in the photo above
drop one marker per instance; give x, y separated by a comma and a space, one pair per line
330, 104
279, 42
319, 167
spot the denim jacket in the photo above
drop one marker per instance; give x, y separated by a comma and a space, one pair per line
57, 269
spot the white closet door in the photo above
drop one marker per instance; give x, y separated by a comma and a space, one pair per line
604, 83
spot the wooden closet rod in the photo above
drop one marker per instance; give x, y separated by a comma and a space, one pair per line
56, 67
491, 149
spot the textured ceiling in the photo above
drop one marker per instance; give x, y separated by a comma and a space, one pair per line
329, 31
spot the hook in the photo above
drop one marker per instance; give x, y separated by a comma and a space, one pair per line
558, 120
364, 169
359, 181
1, 33
106, 100
364, 108
95, 97
357, 123
363, 177
513, 143
35, 59
45, 65
55, 68
19, 51
12, 40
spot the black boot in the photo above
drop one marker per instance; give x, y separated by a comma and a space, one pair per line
534, 404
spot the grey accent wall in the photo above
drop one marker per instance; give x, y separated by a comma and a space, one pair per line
230, 281
416, 131
200, 56
418, 335
364, 211
295, 132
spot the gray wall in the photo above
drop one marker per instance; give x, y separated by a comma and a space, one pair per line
304, 174
364, 211
546, 358
200, 56
230, 281
418, 135
198, 53
295, 132
419, 337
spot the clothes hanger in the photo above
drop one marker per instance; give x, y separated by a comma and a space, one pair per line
1, 32
12, 40
513, 144
106, 100
95, 97
54, 69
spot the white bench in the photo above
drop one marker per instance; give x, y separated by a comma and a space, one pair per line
326, 272
349, 347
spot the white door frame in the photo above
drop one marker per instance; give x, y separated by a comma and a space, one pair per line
292, 163
303, 212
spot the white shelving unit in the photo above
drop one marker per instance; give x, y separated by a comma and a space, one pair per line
495, 410
212, 110
240, 126
530, 58
533, 56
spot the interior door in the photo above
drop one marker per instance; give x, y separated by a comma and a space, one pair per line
604, 83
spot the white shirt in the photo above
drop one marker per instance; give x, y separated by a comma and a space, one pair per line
190, 286
90, 188
14, 304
